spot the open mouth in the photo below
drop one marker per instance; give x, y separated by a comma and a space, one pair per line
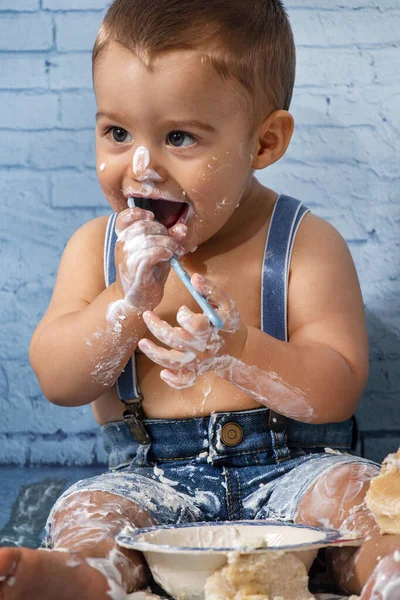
166, 212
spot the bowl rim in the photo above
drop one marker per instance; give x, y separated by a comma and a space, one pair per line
129, 538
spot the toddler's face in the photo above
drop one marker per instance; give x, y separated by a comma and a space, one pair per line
177, 135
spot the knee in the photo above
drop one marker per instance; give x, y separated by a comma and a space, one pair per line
332, 497
86, 511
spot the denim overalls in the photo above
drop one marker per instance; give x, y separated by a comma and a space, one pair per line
249, 464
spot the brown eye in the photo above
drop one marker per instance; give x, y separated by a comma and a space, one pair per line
119, 135
180, 139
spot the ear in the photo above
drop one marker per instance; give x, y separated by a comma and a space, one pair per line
274, 135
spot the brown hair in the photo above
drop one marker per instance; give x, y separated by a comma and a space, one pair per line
247, 40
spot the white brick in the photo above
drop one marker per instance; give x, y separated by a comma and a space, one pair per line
345, 27
12, 452
14, 334
383, 218
28, 110
30, 190
342, 145
340, 185
333, 66
60, 149
19, 72
77, 110
366, 105
9, 312
76, 190
17, 5
4, 380
26, 32
15, 154
71, 451
71, 71
76, 4
45, 417
18, 270
21, 188
387, 64
342, 5
76, 31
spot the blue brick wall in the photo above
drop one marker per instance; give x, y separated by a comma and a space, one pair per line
342, 162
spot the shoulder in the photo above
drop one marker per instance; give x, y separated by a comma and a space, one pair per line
323, 281
87, 241
83, 259
318, 240
80, 277
93, 231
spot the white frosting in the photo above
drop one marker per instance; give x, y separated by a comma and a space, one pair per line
150, 175
160, 474
141, 160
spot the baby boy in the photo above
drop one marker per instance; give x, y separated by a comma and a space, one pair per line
201, 424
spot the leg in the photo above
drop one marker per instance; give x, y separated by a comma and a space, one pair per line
85, 561
336, 499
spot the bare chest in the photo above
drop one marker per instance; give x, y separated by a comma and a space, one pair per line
237, 271
237, 268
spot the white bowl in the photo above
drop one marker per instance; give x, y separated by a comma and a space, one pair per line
182, 557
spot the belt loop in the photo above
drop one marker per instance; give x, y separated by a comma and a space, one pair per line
276, 421
278, 431
133, 418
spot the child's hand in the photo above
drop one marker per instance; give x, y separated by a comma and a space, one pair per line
142, 252
196, 346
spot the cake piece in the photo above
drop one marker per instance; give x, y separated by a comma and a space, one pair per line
383, 496
268, 576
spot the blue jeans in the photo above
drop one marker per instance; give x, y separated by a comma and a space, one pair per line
227, 466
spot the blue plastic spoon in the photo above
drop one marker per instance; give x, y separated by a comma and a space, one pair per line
185, 278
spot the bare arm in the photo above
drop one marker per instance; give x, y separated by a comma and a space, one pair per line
75, 351
88, 332
320, 374
316, 377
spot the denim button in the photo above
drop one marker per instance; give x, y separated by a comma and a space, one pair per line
231, 434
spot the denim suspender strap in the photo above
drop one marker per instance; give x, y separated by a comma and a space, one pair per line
127, 384
285, 220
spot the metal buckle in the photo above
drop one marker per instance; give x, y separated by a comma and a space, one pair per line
133, 417
277, 422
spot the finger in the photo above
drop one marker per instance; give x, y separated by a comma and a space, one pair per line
226, 307
175, 337
194, 323
146, 259
201, 329
143, 226
162, 271
180, 380
213, 292
146, 242
146, 270
178, 231
170, 359
129, 216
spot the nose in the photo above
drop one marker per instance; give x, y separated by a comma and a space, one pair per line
141, 166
